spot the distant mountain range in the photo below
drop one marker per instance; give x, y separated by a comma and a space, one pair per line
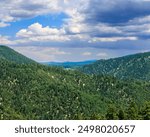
135, 66
31, 91
69, 64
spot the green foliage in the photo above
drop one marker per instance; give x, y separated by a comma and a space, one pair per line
129, 67
34, 91
132, 112
145, 111
112, 113
121, 114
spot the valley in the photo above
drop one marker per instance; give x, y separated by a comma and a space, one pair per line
31, 91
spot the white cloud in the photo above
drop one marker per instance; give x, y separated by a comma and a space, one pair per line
19, 9
145, 19
14, 10
74, 28
2, 24
87, 54
111, 39
36, 29
4, 40
102, 54
37, 33
70, 32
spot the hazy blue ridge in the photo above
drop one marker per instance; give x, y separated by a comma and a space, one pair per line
69, 64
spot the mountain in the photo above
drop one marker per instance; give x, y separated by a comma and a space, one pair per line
34, 91
69, 64
135, 66
11, 55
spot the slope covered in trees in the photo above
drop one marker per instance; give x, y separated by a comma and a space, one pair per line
34, 91
133, 66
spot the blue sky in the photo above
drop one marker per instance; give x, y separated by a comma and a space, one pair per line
75, 30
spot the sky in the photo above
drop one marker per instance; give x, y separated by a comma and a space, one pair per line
75, 30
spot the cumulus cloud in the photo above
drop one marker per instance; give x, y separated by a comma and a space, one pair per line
37, 33
92, 21
20, 9
109, 21
114, 11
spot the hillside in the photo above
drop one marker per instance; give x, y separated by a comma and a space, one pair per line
34, 91
129, 67
11, 55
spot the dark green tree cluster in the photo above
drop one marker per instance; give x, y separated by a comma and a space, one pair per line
130, 113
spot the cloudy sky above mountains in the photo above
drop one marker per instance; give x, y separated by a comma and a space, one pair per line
75, 30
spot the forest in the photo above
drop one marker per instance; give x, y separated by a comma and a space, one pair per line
135, 66
32, 91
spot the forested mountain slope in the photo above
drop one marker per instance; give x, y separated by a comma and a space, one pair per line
34, 91
133, 66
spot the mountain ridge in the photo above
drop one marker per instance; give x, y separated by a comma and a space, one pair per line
69, 64
132, 66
